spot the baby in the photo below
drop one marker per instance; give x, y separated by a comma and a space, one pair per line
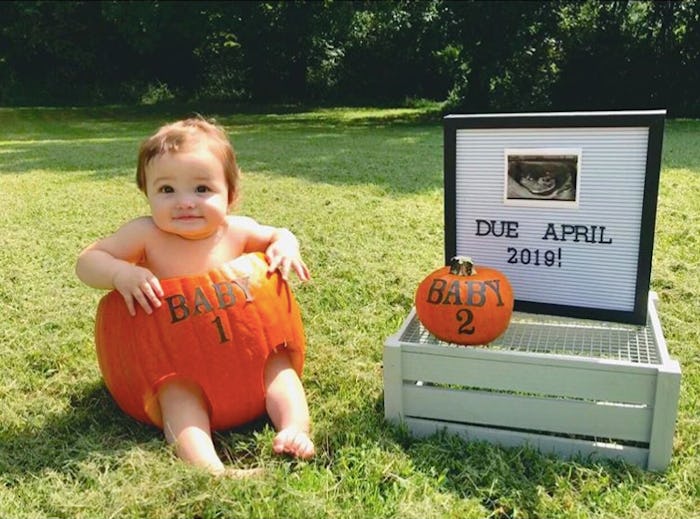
189, 175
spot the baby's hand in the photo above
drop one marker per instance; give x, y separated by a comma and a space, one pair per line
140, 284
283, 254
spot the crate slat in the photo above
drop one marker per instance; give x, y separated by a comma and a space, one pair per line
578, 418
546, 444
577, 380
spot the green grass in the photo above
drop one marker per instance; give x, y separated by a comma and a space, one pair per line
362, 188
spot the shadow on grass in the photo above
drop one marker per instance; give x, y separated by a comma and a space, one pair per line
92, 425
680, 148
507, 482
399, 149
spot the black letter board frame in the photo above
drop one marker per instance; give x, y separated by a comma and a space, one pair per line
547, 133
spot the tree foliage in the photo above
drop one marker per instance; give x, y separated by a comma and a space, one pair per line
475, 55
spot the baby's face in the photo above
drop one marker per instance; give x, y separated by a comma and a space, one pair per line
187, 192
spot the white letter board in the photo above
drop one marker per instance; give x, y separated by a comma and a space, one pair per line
563, 203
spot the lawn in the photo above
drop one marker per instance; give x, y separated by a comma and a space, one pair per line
362, 189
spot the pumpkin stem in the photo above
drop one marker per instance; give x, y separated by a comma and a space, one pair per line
462, 266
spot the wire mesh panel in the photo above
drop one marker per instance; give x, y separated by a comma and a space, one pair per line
562, 336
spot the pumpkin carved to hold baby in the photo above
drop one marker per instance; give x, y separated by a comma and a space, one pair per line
465, 304
212, 330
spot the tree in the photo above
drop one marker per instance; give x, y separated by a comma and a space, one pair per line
476, 55
505, 49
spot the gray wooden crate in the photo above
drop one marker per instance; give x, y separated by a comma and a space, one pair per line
562, 385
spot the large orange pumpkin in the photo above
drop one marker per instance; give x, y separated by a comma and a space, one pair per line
212, 330
465, 304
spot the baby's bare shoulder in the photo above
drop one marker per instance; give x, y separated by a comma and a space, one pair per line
142, 226
235, 219
238, 224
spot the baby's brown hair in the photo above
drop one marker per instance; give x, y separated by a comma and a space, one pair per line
181, 136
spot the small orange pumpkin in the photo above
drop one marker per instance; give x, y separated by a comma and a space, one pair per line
211, 330
465, 304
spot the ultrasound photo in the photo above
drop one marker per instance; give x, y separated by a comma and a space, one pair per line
542, 177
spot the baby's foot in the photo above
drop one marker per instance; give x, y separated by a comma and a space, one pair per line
294, 441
